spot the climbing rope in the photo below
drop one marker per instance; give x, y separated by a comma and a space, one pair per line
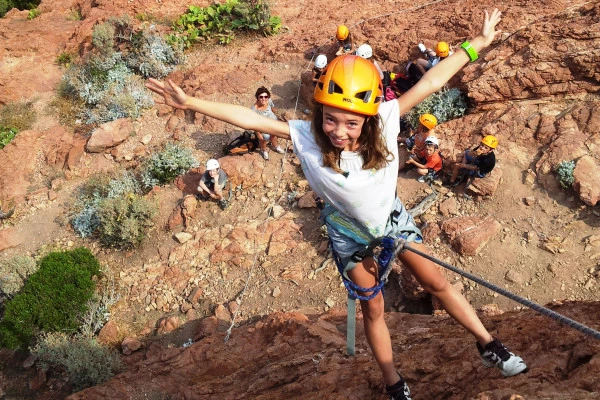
402, 245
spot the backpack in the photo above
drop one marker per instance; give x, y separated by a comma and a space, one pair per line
243, 144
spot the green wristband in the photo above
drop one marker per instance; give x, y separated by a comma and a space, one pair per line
466, 46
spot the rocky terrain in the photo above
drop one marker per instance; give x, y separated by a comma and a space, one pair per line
264, 259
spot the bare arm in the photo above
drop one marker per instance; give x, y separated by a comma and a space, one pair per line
440, 74
234, 114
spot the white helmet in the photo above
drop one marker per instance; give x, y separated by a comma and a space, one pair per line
321, 61
432, 140
212, 164
364, 51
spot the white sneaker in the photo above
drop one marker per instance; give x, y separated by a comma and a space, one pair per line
495, 354
264, 154
421, 179
279, 150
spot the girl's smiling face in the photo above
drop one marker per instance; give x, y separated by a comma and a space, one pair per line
342, 127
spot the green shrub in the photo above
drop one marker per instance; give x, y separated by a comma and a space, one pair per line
220, 21
446, 104
7, 5
110, 80
98, 307
52, 299
33, 13
564, 170
87, 362
6, 135
85, 220
125, 220
74, 15
165, 166
14, 272
65, 59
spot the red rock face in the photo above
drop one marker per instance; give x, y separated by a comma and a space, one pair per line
286, 353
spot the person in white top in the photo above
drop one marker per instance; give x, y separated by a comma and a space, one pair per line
349, 155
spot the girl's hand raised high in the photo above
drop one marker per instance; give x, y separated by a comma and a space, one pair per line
174, 96
488, 29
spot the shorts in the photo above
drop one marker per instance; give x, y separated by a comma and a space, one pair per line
266, 136
346, 247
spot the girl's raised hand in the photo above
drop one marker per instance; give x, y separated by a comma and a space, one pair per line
488, 30
174, 96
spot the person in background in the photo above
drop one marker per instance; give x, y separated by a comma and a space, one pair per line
442, 50
344, 40
265, 107
212, 182
477, 162
320, 64
432, 166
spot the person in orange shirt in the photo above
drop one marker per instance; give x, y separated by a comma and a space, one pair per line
430, 169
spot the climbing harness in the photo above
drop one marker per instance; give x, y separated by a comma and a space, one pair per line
401, 245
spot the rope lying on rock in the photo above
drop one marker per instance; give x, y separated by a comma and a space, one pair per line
402, 245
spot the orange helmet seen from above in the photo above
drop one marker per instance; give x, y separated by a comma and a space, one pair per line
342, 32
429, 121
351, 83
490, 141
442, 49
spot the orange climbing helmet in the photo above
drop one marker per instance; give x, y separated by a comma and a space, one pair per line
342, 32
351, 83
490, 141
442, 49
429, 121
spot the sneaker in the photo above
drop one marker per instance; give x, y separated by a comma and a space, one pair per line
223, 204
279, 150
421, 179
398, 391
264, 154
494, 354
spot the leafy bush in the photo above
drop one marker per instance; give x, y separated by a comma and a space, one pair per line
446, 104
52, 299
565, 173
98, 307
7, 5
6, 135
14, 272
92, 194
221, 20
33, 13
110, 80
65, 59
124, 220
165, 166
87, 362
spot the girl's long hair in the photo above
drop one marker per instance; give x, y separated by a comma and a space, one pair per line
372, 146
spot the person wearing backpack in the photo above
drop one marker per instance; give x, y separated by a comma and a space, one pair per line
349, 156
212, 182
265, 107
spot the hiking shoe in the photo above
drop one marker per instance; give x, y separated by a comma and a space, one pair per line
494, 354
223, 204
421, 179
279, 150
264, 154
398, 391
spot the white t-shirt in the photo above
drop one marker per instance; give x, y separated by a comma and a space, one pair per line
365, 195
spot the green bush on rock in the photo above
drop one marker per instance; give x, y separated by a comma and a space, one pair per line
52, 299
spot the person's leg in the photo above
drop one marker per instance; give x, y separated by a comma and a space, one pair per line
376, 330
275, 145
262, 146
422, 64
453, 301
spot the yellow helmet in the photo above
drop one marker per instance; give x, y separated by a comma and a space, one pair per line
442, 49
490, 141
342, 32
351, 83
429, 121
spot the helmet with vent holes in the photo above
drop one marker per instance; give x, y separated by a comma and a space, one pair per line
351, 83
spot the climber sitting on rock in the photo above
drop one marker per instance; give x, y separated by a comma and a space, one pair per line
212, 183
